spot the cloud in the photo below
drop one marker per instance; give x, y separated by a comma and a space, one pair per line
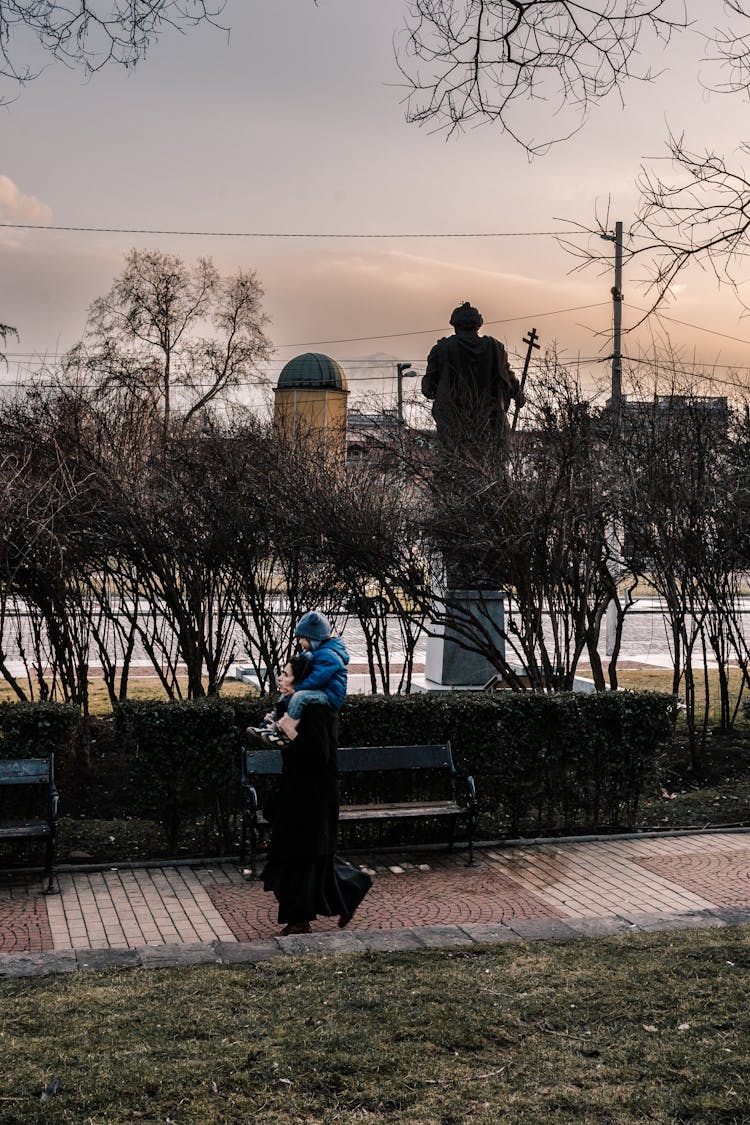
15, 207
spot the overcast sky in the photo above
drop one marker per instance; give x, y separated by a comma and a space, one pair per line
294, 124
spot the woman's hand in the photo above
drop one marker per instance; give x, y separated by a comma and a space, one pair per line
288, 726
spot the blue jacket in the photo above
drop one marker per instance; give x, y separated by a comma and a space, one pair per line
328, 671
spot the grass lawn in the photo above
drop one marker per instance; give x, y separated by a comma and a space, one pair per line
649, 1027
139, 687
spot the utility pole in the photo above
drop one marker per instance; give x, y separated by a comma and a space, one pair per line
531, 341
616, 291
616, 408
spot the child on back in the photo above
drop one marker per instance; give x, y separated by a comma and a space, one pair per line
325, 679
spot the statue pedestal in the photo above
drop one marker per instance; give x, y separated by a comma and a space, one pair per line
448, 663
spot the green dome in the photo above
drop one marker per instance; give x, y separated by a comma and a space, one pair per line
312, 370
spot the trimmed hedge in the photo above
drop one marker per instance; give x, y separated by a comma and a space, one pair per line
185, 762
543, 764
30, 730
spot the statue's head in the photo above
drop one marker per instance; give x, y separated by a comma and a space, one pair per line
466, 318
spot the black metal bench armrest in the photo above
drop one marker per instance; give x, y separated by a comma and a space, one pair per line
34, 773
471, 790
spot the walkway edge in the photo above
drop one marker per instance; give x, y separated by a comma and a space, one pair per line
459, 846
408, 940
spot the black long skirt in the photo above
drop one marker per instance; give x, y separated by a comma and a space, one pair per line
326, 886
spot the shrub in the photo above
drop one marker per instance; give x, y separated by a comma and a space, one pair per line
32, 730
559, 761
185, 762
542, 763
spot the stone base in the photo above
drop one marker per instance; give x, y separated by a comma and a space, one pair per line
448, 663
582, 684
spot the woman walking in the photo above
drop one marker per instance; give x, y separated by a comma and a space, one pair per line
303, 870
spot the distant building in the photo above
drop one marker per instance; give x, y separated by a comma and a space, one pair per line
310, 398
372, 437
714, 409
380, 439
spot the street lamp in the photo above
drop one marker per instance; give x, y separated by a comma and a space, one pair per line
403, 371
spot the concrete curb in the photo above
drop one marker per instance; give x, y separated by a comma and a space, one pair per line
407, 940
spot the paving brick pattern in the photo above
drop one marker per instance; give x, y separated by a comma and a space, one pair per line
399, 898
602, 878
175, 915
722, 877
24, 925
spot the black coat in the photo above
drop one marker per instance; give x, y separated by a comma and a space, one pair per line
305, 807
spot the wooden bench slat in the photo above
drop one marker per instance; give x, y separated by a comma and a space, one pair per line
399, 812
363, 759
405, 806
354, 813
25, 828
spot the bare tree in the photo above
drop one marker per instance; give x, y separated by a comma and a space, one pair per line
174, 336
726, 576
90, 34
471, 62
679, 514
693, 205
697, 213
373, 538
278, 566
49, 547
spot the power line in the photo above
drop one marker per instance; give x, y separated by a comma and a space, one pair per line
287, 234
697, 327
381, 372
367, 339
701, 377
433, 331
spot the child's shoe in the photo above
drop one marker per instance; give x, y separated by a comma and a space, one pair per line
263, 728
273, 736
257, 736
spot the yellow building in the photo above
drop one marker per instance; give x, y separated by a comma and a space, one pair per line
310, 398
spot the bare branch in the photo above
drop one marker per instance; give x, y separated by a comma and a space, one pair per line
730, 48
483, 61
92, 33
5, 331
698, 215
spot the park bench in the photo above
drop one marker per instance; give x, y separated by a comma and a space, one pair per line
33, 774
385, 762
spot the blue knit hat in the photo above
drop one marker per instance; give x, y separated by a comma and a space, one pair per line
315, 626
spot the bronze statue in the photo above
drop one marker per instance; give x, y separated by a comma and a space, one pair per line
471, 384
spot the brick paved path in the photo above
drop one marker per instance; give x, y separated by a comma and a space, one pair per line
171, 915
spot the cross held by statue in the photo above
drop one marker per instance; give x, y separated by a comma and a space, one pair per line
531, 340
